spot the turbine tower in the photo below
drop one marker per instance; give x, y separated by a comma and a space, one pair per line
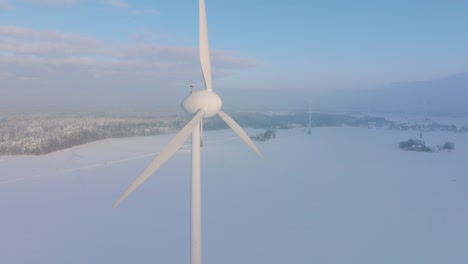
310, 118
199, 104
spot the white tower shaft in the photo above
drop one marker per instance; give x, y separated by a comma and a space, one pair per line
196, 198
310, 118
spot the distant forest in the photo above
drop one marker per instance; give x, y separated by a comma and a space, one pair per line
42, 134
38, 134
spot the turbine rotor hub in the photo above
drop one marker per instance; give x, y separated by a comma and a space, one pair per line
207, 100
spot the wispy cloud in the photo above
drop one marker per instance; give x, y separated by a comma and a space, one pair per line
133, 11
24, 41
53, 2
145, 11
5, 5
42, 55
117, 3
149, 35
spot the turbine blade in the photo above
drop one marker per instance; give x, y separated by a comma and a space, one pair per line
163, 156
239, 131
204, 47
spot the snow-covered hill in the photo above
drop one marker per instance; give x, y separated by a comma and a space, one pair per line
341, 195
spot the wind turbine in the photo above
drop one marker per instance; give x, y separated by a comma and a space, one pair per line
310, 118
424, 118
199, 104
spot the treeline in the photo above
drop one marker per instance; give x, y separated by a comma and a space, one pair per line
37, 134
299, 119
269, 134
42, 136
420, 145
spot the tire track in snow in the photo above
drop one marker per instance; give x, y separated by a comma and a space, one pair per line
101, 164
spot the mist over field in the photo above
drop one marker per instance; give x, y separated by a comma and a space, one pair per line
437, 97
346, 193
339, 195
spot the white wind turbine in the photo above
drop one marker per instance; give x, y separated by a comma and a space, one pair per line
310, 119
200, 104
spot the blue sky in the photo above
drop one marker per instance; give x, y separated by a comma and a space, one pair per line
304, 45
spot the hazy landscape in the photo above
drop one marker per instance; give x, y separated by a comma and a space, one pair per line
344, 194
341, 195
358, 110
39, 134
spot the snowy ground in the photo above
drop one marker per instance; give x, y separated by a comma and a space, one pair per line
341, 195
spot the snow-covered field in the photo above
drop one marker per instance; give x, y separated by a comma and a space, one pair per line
341, 195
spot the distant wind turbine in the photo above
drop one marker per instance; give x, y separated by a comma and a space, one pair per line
310, 118
200, 104
423, 120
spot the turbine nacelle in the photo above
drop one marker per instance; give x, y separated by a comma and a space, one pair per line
207, 100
